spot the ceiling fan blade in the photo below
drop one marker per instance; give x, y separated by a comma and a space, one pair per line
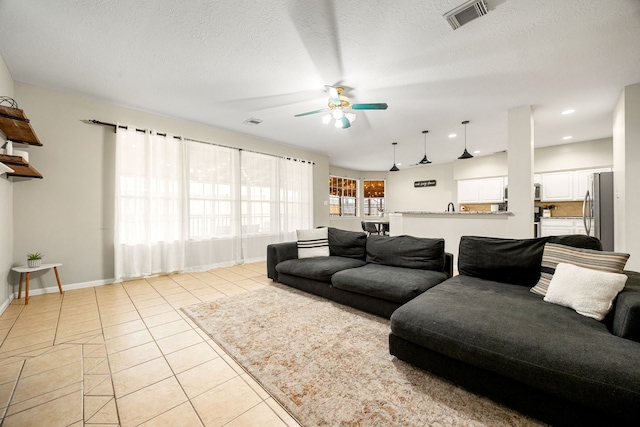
311, 112
345, 123
333, 94
374, 106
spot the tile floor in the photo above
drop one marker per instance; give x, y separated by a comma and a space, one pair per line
125, 355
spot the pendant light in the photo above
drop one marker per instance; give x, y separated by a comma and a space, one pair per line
465, 154
425, 160
394, 168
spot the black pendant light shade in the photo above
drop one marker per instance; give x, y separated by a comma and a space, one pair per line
465, 154
425, 160
394, 168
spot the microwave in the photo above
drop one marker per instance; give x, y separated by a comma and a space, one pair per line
536, 192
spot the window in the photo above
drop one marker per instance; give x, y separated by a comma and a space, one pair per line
373, 197
343, 196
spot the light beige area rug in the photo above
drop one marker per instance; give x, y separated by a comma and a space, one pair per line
329, 365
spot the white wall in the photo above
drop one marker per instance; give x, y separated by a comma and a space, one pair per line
403, 196
626, 169
579, 155
6, 207
68, 215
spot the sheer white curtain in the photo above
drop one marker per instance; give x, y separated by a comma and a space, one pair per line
150, 206
191, 206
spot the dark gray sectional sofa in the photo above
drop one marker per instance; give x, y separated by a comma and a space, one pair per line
376, 274
485, 330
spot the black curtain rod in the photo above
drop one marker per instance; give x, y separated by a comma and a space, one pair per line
114, 125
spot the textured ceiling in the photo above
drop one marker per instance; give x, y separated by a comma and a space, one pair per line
221, 62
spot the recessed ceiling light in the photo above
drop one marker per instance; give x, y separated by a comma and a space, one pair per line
567, 137
476, 152
453, 135
569, 111
398, 164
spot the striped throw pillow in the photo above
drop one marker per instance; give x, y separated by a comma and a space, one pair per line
611, 262
313, 243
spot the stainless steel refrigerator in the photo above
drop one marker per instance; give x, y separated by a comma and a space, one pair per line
597, 209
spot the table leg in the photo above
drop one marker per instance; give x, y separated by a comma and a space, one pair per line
58, 278
26, 291
20, 288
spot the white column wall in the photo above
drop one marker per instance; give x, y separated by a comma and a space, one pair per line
520, 161
6, 207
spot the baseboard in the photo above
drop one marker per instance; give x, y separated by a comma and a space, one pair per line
6, 303
65, 287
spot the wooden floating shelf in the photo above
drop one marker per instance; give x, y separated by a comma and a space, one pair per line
20, 167
15, 125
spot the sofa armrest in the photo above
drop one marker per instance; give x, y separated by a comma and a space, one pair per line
448, 263
626, 318
278, 252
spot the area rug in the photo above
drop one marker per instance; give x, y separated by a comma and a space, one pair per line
329, 365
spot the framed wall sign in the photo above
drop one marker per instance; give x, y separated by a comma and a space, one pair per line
426, 183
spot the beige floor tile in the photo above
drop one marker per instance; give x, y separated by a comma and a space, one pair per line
76, 316
96, 366
98, 385
145, 303
6, 390
148, 403
160, 319
156, 309
111, 310
51, 316
30, 328
180, 416
54, 360
13, 311
63, 411
260, 415
124, 342
40, 399
185, 302
140, 376
80, 338
206, 376
123, 329
42, 337
190, 357
168, 329
71, 329
179, 341
192, 285
284, 415
117, 319
47, 381
94, 350
133, 356
226, 402
10, 371
255, 386
100, 409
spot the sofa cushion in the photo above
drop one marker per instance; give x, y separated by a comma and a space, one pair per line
514, 261
349, 244
553, 254
313, 243
510, 331
589, 292
406, 251
321, 268
396, 284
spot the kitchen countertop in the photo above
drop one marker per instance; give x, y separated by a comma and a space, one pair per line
458, 214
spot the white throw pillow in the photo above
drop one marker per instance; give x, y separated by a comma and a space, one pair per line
589, 292
313, 243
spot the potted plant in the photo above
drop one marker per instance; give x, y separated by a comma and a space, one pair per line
34, 259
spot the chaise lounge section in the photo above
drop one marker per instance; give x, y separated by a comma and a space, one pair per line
485, 330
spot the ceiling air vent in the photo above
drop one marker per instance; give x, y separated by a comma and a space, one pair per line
466, 12
252, 121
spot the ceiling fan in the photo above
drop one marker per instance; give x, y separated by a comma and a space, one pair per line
340, 109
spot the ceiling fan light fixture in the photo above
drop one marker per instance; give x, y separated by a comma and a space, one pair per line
350, 116
338, 124
465, 154
337, 113
425, 160
394, 168
326, 119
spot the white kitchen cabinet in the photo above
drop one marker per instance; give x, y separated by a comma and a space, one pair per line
561, 226
485, 190
469, 191
492, 190
557, 186
581, 181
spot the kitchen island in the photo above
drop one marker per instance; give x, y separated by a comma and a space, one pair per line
450, 226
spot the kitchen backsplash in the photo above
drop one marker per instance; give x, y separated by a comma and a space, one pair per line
558, 209
562, 208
